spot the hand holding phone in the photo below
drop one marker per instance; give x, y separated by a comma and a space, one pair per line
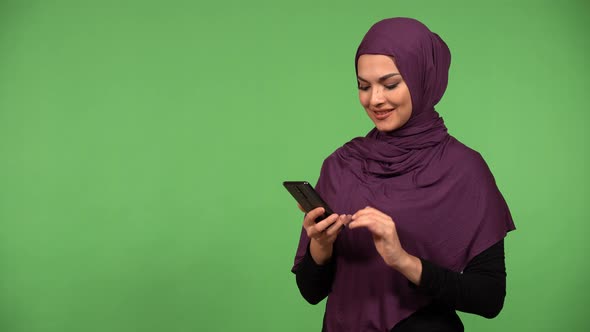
307, 198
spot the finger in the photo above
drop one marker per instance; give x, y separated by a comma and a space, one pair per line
376, 224
369, 211
347, 219
336, 227
362, 212
376, 217
324, 224
313, 215
316, 230
374, 228
362, 221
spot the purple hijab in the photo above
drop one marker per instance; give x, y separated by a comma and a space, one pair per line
440, 193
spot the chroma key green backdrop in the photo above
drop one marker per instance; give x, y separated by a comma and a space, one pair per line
143, 145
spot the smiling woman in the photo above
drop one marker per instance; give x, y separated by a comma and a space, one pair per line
426, 222
383, 92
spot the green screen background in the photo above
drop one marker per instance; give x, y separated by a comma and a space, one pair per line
143, 145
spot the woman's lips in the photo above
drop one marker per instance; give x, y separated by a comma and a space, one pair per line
382, 115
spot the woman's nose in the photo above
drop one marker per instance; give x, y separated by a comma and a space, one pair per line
377, 97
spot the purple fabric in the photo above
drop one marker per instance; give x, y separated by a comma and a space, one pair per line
441, 194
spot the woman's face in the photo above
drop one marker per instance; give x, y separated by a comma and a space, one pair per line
383, 92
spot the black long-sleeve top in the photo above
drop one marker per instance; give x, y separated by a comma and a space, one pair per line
480, 289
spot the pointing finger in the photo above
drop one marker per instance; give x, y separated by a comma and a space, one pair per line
312, 215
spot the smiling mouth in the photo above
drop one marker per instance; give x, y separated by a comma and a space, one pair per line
380, 115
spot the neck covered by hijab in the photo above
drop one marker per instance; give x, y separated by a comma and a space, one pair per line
440, 193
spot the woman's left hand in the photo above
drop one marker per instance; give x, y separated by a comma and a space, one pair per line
387, 242
384, 233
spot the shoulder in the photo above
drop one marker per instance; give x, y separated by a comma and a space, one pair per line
352, 149
344, 162
336, 167
465, 159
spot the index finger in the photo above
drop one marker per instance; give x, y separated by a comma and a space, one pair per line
312, 215
367, 210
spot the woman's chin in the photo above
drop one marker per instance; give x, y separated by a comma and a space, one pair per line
386, 127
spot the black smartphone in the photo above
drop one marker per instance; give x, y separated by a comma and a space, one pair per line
307, 197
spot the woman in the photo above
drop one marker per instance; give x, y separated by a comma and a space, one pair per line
425, 221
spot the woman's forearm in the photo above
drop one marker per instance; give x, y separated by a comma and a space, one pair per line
313, 280
480, 289
411, 267
320, 254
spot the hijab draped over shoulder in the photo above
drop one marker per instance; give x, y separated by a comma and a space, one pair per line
440, 193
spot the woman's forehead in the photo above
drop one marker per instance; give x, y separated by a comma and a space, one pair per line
376, 63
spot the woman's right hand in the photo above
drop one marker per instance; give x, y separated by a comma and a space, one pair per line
323, 233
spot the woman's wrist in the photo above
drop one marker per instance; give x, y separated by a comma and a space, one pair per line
410, 266
320, 254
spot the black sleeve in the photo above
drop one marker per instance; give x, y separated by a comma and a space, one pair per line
314, 281
480, 289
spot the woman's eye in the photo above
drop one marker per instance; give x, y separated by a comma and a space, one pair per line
392, 86
364, 88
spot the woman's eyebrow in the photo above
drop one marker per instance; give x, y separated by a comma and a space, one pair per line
381, 79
